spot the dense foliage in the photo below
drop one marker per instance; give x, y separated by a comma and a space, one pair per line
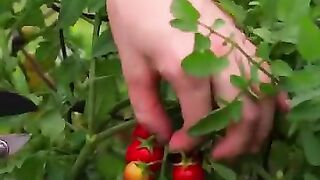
61, 55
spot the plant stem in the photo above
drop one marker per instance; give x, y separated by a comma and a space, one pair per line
90, 145
234, 44
163, 165
39, 71
107, 133
62, 44
92, 71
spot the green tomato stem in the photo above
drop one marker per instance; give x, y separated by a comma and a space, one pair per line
92, 70
91, 144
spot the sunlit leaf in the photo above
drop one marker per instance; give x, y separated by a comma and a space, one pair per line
183, 9
280, 68
291, 10
309, 40
184, 25
203, 63
201, 42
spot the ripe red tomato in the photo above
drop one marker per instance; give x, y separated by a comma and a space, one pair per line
133, 172
140, 132
192, 171
136, 151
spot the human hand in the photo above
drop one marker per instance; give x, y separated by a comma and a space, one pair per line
151, 49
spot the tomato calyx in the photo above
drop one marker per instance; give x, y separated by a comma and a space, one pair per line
147, 143
146, 151
185, 161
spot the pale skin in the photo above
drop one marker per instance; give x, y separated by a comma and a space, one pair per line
151, 49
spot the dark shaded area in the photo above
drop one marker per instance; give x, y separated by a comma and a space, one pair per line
14, 104
17, 44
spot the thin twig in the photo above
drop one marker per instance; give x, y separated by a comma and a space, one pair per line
63, 45
39, 71
234, 44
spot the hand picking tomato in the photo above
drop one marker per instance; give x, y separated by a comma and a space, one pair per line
192, 171
140, 132
145, 151
132, 171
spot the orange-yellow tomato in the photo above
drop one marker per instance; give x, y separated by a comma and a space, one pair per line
133, 172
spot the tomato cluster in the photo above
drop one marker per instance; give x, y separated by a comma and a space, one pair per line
144, 159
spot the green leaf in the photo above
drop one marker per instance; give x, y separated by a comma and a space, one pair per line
105, 90
254, 74
33, 17
32, 168
306, 111
201, 42
239, 82
235, 10
104, 44
268, 89
280, 68
109, 165
20, 82
203, 63
70, 12
218, 23
304, 96
57, 168
279, 155
288, 33
291, 11
183, 9
70, 70
218, 119
309, 176
183, 25
96, 5
52, 124
309, 40
45, 57
264, 34
311, 146
263, 50
225, 172
301, 80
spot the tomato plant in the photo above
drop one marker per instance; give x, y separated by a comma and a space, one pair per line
61, 55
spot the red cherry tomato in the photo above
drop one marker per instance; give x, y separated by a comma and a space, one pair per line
188, 172
153, 154
140, 132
